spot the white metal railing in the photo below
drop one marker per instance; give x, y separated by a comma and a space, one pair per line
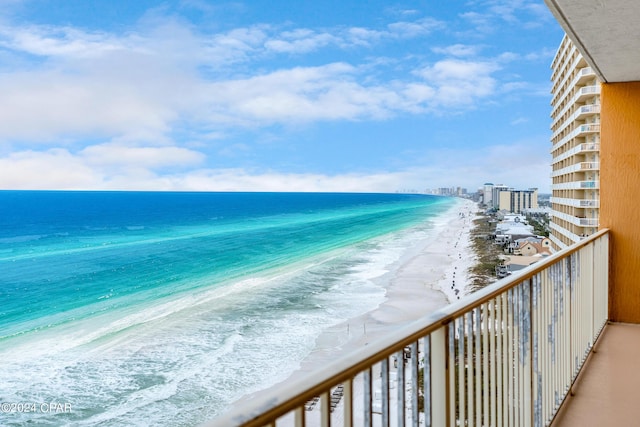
576, 203
556, 98
575, 220
588, 109
557, 87
580, 95
582, 166
580, 113
580, 131
576, 185
582, 148
589, 128
506, 355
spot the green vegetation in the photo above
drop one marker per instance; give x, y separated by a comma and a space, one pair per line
484, 272
540, 224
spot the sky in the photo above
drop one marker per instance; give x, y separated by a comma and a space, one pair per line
278, 95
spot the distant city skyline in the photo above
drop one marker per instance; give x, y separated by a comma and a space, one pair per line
278, 96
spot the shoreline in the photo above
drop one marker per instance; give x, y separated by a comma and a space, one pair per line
429, 278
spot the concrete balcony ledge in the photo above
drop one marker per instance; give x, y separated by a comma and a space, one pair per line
607, 391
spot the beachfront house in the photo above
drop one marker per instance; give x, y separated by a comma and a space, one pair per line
520, 352
531, 246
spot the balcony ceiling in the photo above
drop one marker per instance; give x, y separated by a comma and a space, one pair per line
606, 32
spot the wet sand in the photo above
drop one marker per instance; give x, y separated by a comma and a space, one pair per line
431, 277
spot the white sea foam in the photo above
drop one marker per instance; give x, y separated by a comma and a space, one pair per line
184, 359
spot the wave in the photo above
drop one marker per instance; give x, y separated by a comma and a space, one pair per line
180, 351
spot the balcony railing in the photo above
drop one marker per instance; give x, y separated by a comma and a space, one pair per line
580, 114
576, 185
580, 131
580, 149
580, 78
576, 220
582, 166
576, 203
589, 109
588, 128
505, 355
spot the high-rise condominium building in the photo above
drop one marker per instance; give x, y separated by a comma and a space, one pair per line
575, 115
517, 201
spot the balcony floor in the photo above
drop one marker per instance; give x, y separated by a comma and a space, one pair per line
607, 392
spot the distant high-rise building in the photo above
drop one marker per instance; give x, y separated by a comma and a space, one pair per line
517, 201
575, 151
495, 194
487, 194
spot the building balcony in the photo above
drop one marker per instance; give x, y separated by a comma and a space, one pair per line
509, 354
581, 96
581, 114
580, 131
579, 167
582, 77
587, 110
557, 87
588, 128
559, 230
610, 377
567, 52
587, 92
576, 203
575, 220
555, 240
576, 185
580, 149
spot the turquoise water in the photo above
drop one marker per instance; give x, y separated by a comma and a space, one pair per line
166, 307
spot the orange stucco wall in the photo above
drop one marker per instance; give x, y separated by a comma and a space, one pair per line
620, 195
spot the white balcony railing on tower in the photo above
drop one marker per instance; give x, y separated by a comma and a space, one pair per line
506, 355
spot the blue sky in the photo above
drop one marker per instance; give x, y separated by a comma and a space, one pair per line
275, 95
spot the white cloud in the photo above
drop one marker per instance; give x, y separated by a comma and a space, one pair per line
57, 41
481, 22
53, 169
521, 164
327, 92
362, 36
120, 109
144, 157
411, 29
457, 50
522, 13
105, 166
519, 120
224, 50
150, 81
460, 82
300, 41
47, 105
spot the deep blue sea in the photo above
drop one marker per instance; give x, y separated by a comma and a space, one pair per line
156, 308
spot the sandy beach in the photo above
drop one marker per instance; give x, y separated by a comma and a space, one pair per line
425, 281
430, 277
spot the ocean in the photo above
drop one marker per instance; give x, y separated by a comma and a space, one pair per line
163, 308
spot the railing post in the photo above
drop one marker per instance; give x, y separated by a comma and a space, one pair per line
528, 349
384, 378
426, 377
401, 403
368, 419
438, 374
415, 388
